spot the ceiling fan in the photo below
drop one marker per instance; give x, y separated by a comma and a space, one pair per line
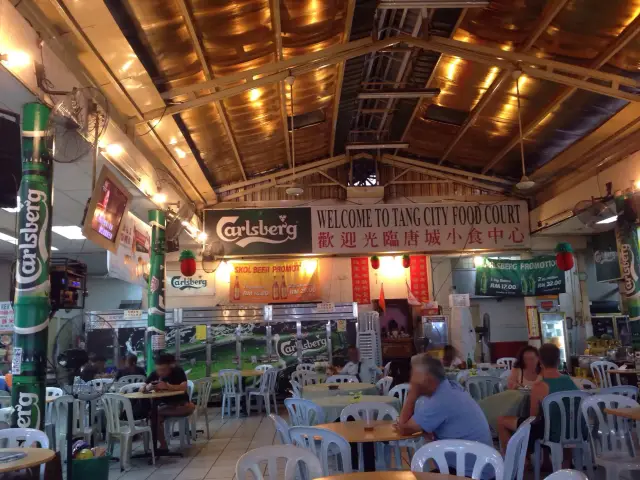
525, 182
294, 190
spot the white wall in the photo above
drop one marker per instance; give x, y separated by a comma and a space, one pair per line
5, 281
507, 317
106, 293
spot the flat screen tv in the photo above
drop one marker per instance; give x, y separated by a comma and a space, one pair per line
107, 210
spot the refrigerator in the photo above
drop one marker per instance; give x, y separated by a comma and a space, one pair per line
553, 330
435, 333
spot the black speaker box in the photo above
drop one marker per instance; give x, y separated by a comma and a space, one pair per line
10, 159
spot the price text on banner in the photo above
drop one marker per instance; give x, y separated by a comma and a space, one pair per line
520, 278
278, 281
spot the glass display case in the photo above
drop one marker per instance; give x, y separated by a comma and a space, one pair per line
553, 330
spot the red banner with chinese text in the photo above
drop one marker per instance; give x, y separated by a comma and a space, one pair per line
419, 274
360, 280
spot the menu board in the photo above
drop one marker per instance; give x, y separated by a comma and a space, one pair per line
419, 274
360, 280
131, 260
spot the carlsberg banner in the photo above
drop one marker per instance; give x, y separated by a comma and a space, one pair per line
519, 278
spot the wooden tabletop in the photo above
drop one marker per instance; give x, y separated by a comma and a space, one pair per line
244, 373
140, 395
393, 475
383, 431
35, 457
627, 371
344, 387
632, 413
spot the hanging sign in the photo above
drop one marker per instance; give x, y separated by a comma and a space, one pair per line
520, 278
200, 284
419, 227
628, 240
360, 280
6, 316
326, 307
277, 281
130, 262
459, 300
419, 274
605, 257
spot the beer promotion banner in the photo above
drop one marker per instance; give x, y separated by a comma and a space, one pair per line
520, 278
277, 281
131, 260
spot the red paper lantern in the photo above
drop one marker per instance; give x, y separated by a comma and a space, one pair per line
375, 262
564, 256
187, 263
406, 261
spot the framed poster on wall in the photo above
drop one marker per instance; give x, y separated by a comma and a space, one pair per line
533, 324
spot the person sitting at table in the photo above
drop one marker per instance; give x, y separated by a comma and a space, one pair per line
168, 377
450, 358
365, 370
552, 381
526, 370
94, 368
131, 367
441, 408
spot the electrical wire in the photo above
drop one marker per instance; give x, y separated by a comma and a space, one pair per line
153, 128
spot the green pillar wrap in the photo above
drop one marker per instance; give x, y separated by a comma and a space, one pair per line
31, 305
155, 319
629, 258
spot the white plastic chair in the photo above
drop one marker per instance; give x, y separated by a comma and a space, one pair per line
599, 371
305, 378
516, 453
304, 413
387, 369
296, 389
231, 390
481, 387
384, 384
462, 449
296, 458
265, 393
182, 422
282, 427
132, 379
342, 379
630, 391
507, 362
123, 431
571, 437
203, 390
581, 383
324, 444
400, 391
59, 418
258, 378
49, 427
567, 475
306, 367
130, 388
611, 437
24, 438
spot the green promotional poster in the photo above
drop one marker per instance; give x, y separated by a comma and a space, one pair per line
519, 278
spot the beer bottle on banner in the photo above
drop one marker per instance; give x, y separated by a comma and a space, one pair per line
483, 282
532, 285
31, 305
524, 285
284, 290
236, 289
275, 290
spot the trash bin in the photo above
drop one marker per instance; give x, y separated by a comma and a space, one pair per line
94, 468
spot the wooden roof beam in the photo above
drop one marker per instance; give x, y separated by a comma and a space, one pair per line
621, 41
551, 11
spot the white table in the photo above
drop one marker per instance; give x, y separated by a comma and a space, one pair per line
311, 392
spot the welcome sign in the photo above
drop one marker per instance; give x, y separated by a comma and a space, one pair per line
200, 284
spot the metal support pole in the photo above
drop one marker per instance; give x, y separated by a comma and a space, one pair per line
31, 305
155, 289
208, 350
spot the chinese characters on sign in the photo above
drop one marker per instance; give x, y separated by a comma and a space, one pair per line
284, 281
443, 227
360, 280
418, 271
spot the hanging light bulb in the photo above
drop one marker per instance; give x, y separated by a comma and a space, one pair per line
525, 182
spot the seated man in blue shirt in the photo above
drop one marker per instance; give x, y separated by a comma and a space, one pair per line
442, 409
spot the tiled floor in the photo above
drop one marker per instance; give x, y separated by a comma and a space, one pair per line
214, 459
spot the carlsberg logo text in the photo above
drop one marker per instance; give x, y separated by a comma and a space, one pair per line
629, 275
32, 239
288, 348
24, 408
184, 283
246, 233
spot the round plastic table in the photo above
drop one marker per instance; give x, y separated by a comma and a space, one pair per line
333, 406
397, 475
33, 458
311, 392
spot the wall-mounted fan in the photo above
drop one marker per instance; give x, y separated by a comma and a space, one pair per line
76, 123
176, 223
598, 214
212, 256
